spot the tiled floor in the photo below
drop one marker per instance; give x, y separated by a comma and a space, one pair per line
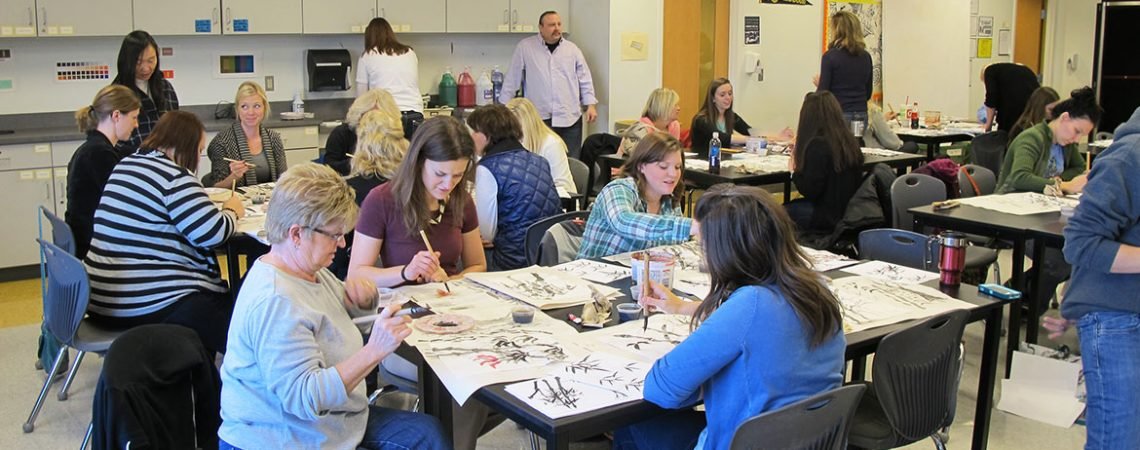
61, 424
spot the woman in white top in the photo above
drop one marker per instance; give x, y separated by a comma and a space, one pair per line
390, 65
540, 139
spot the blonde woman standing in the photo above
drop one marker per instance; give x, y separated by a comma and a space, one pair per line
540, 139
846, 69
247, 153
111, 118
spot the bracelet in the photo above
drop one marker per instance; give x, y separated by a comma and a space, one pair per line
405, 278
230, 210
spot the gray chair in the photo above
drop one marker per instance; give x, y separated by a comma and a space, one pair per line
915, 385
984, 178
61, 236
819, 422
537, 231
65, 306
988, 150
581, 175
905, 248
915, 189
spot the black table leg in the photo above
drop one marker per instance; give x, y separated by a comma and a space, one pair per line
232, 269
987, 378
558, 443
436, 399
1033, 290
1017, 281
859, 368
787, 191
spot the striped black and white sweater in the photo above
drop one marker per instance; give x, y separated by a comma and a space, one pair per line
155, 231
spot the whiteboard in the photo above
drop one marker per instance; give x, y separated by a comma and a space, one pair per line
926, 55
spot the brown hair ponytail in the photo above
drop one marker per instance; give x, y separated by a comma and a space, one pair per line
111, 98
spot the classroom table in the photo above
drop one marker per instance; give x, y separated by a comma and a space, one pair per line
559, 433
703, 179
933, 139
1009, 227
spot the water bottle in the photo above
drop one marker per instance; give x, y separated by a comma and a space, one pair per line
484, 90
447, 89
298, 104
952, 258
497, 82
466, 89
714, 153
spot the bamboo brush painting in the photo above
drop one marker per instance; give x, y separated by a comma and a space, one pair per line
868, 302
664, 332
542, 287
595, 381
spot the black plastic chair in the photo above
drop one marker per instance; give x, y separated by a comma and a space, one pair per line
915, 189
819, 422
581, 174
537, 230
902, 247
915, 377
988, 150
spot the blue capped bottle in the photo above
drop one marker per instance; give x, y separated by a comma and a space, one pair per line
714, 153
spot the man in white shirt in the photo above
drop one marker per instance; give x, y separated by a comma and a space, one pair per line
554, 76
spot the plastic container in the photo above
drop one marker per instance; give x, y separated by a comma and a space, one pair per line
484, 90
714, 153
913, 116
466, 89
298, 104
497, 79
447, 89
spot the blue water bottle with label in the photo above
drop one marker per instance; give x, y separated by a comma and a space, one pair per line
714, 153
497, 79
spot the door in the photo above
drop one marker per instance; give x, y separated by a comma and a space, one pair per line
491, 16
348, 16
1028, 19
181, 18
84, 17
423, 16
261, 16
17, 18
524, 14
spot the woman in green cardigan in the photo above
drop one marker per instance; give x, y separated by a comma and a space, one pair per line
1044, 158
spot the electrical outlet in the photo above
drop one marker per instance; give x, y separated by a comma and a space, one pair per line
269, 83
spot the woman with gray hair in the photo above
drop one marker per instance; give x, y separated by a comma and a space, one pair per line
296, 362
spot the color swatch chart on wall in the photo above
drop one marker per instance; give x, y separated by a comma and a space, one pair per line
81, 70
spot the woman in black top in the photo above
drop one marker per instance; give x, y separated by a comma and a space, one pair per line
110, 118
139, 70
846, 69
716, 115
826, 166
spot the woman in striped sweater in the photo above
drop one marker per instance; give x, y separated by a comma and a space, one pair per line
152, 257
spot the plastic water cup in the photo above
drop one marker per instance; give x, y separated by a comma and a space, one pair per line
628, 312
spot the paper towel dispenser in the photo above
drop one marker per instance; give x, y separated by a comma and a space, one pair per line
328, 70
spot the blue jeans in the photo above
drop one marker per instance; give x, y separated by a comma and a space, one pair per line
1110, 353
392, 429
571, 135
676, 430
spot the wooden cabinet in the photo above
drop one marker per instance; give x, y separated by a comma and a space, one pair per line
17, 18
348, 16
181, 18
262, 16
84, 17
422, 16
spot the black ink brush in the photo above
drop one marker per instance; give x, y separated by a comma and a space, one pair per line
645, 289
429, 249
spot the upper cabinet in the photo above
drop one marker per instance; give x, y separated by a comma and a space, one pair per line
17, 18
83, 17
487, 16
262, 16
181, 18
501, 16
348, 16
422, 16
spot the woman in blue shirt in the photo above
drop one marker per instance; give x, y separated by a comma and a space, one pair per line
769, 333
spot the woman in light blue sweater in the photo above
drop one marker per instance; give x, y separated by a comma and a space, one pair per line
769, 333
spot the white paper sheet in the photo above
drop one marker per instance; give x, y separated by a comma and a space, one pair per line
1045, 372
629, 340
542, 287
823, 261
687, 255
696, 284
891, 272
880, 151
595, 271
1019, 203
595, 381
466, 298
868, 302
1054, 407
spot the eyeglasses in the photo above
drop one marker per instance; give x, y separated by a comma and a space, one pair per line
334, 236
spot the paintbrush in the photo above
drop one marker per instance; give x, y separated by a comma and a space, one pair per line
240, 161
428, 245
645, 288
233, 188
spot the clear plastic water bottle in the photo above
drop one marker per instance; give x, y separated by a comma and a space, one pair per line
714, 153
484, 90
298, 104
497, 82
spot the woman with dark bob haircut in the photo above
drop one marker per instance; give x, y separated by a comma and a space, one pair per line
138, 69
768, 334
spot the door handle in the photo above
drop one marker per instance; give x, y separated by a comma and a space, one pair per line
214, 14
515, 17
229, 19
506, 17
31, 17
43, 12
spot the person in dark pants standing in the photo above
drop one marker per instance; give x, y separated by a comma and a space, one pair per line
1008, 87
846, 70
554, 76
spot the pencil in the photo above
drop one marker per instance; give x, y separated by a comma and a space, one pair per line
246, 163
645, 288
428, 245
